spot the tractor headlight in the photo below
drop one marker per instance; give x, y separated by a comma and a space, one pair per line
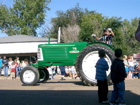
40, 54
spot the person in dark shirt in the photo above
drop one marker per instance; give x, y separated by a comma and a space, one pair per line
105, 35
5, 66
118, 75
0, 65
110, 36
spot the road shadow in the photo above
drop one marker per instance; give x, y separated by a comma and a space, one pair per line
80, 83
74, 82
58, 97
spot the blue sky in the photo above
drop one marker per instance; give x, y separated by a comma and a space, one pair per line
127, 9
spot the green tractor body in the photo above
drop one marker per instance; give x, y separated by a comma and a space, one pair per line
63, 54
82, 55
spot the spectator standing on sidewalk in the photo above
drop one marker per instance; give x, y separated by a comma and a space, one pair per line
63, 73
23, 64
5, 66
13, 70
131, 68
70, 72
118, 75
10, 63
50, 70
74, 73
125, 61
67, 70
17, 67
0, 65
101, 68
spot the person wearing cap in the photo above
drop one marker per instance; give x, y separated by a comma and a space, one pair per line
105, 35
103, 38
110, 36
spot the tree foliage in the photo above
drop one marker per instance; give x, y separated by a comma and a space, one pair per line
127, 40
69, 18
24, 17
91, 22
70, 33
77, 24
5, 16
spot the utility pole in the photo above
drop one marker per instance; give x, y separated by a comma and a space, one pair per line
59, 34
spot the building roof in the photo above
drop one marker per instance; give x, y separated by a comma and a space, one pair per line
24, 38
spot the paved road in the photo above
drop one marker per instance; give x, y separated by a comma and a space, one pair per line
57, 92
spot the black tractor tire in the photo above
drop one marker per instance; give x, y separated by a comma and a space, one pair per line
29, 76
44, 75
85, 64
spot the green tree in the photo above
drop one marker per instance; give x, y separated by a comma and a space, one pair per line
113, 22
91, 23
70, 33
129, 44
25, 17
5, 18
71, 17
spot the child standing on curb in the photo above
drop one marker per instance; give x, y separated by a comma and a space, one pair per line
13, 70
101, 68
118, 75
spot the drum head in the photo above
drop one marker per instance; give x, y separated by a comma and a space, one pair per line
138, 36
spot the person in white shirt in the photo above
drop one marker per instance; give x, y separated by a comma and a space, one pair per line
131, 67
10, 63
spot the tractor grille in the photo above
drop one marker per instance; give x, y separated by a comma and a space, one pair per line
55, 53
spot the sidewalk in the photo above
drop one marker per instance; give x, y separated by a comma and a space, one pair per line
56, 77
8, 78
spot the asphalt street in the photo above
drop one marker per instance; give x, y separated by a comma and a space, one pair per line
60, 92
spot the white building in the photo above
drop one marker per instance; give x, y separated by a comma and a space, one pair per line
21, 45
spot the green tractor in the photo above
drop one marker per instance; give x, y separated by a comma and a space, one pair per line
82, 55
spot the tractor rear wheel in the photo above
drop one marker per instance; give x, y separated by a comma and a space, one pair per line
44, 75
29, 76
86, 61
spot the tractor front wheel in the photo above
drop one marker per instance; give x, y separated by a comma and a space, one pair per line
29, 76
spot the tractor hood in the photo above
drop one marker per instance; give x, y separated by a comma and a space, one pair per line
63, 54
